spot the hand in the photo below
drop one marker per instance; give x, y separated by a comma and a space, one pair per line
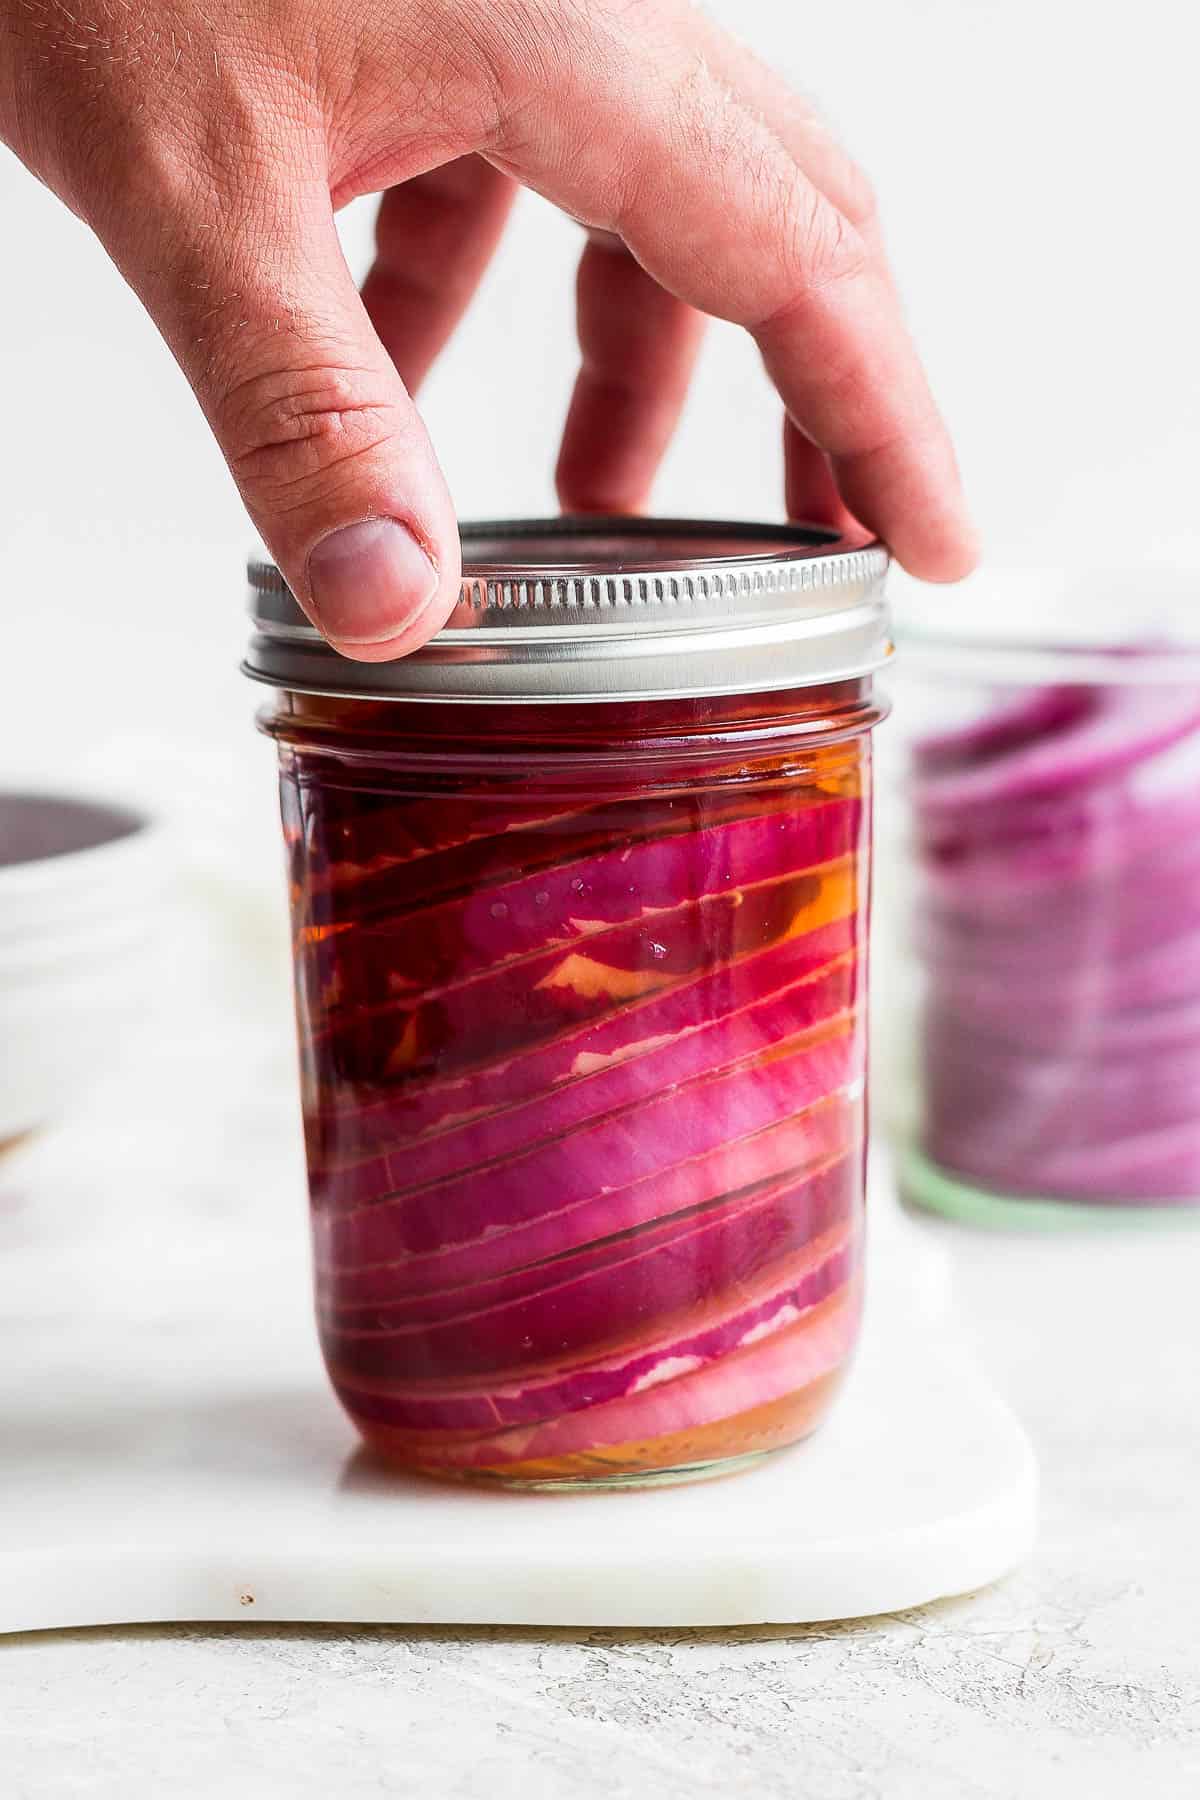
209, 143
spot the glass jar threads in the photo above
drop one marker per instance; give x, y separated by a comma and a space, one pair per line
579, 898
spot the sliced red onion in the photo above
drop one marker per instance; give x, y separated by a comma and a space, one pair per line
1059, 927
584, 1101
1140, 992
380, 1270
587, 896
492, 846
1011, 724
601, 1159
1121, 728
351, 1126
495, 1009
601, 1294
677, 1398
570, 1377
650, 1066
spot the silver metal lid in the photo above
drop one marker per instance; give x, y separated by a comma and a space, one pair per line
600, 609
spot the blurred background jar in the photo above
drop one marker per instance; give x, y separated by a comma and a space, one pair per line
1041, 898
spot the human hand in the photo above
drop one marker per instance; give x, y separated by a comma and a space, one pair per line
209, 143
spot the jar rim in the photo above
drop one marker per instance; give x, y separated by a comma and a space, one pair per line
602, 609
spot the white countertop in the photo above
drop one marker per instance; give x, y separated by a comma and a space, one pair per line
1079, 1675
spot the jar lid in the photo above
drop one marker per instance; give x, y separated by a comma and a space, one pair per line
599, 609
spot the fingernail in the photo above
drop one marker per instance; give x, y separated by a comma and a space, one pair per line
369, 582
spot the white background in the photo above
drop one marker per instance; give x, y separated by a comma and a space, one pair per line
1036, 160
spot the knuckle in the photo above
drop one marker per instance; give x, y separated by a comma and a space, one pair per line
805, 239
823, 250
521, 48
829, 246
291, 433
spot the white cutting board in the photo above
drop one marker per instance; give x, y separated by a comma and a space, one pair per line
170, 1449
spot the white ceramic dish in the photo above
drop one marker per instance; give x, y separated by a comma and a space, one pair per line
81, 881
82, 848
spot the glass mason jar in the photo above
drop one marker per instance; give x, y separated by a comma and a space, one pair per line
579, 902
1052, 896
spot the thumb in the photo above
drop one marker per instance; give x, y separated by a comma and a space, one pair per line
328, 451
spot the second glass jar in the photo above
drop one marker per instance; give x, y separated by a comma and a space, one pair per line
1053, 910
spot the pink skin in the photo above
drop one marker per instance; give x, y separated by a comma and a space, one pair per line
209, 144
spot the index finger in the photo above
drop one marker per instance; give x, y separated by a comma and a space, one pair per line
721, 211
